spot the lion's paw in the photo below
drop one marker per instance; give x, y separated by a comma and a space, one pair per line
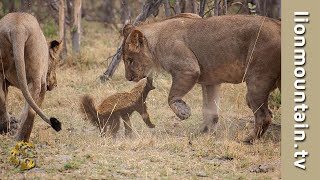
181, 109
209, 125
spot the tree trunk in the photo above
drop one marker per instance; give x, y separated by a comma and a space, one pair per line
177, 7
279, 8
108, 6
167, 9
26, 6
226, 6
194, 6
125, 12
75, 30
216, 7
269, 8
69, 12
202, 7
8, 6
62, 27
150, 7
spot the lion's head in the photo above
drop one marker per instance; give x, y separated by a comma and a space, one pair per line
54, 51
136, 54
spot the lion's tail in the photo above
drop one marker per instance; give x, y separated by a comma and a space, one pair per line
88, 108
19, 39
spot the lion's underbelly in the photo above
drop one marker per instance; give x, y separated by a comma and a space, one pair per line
226, 73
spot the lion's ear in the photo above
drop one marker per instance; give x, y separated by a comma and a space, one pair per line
126, 30
135, 41
55, 45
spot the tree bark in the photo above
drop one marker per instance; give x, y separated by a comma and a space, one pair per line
150, 7
8, 6
62, 27
216, 7
167, 8
69, 12
269, 8
125, 12
177, 7
26, 6
279, 8
226, 6
194, 6
202, 7
108, 6
76, 28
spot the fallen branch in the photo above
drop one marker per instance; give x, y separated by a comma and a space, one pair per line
150, 7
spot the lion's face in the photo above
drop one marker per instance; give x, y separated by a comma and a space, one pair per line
136, 56
54, 50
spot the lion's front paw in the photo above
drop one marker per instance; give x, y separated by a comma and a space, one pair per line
181, 109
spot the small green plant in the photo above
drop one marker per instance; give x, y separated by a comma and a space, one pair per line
68, 166
275, 99
50, 29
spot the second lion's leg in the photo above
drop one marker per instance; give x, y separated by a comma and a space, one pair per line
210, 94
4, 115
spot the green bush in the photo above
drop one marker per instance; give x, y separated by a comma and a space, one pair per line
50, 29
275, 99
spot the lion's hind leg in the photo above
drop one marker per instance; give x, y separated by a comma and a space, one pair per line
28, 114
257, 99
4, 115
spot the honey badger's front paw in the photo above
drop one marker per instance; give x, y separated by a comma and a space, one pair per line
181, 109
151, 125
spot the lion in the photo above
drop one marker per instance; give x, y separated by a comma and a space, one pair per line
209, 51
122, 105
28, 62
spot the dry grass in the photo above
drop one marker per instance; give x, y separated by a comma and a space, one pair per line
173, 150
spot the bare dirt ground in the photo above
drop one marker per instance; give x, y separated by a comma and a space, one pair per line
173, 150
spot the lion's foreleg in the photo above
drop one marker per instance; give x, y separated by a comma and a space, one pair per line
182, 83
210, 94
28, 114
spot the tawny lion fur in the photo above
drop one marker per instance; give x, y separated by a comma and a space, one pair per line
27, 62
122, 105
209, 51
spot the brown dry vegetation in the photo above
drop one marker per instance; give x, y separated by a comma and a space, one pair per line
173, 150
